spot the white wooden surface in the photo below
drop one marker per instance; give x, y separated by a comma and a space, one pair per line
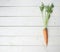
21, 26
27, 21
27, 2
25, 11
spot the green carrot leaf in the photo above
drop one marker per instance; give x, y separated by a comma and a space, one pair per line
52, 6
48, 10
42, 7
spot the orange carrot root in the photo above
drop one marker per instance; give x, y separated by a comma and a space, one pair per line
45, 33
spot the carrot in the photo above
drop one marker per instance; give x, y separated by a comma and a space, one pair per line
47, 9
45, 34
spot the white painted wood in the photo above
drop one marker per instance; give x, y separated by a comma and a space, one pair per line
27, 21
21, 26
27, 2
28, 49
32, 40
21, 21
29, 31
25, 11
20, 41
28, 36
20, 30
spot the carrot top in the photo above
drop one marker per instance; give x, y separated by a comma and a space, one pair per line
46, 10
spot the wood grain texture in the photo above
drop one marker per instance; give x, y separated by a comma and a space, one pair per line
27, 21
28, 36
28, 41
25, 11
27, 2
28, 49
21, 26
33, 31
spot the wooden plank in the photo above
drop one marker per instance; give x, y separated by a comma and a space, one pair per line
27, 21
28, 41
20, 21
25, 11
27, 2
19, 30
28, 36
29, 49
32, 31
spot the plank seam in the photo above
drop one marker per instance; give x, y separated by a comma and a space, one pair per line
28, 26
